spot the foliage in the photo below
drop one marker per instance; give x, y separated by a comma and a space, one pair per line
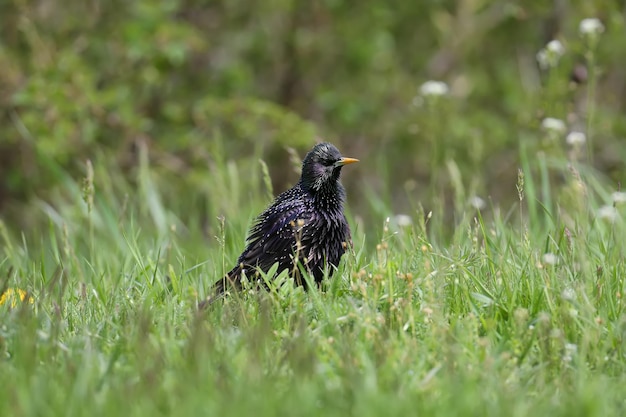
140, 138
84, 79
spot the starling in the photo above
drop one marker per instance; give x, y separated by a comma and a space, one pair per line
305, 226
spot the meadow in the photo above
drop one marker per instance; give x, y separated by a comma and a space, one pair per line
517, 314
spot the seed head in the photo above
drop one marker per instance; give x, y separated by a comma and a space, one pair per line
553, 125
550, 55
434, 88
607, 213
550, 259
576, 139
477, 202
619, 197
403, 220
590, 27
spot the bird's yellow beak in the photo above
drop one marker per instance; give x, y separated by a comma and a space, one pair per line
346, 161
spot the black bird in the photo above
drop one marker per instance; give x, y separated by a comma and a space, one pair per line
305, 226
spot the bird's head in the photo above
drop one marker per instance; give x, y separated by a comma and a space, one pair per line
322, 166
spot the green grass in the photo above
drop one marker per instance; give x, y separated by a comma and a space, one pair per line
414, 322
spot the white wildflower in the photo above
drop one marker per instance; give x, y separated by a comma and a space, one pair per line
549, 56
568, 294
555, 47
590, 27
477, 202
550, 258
403, 220
556, 333
552, 125
570, 351
576, 139
607, 213
619, 197
434, 88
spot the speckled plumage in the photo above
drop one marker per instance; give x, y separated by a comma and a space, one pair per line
305, 222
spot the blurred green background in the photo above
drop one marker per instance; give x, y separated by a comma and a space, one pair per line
194, 85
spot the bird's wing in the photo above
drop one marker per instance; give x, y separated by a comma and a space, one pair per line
274, 235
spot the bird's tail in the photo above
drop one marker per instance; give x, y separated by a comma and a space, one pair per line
232, 280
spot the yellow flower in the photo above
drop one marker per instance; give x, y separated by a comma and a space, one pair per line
13, 294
